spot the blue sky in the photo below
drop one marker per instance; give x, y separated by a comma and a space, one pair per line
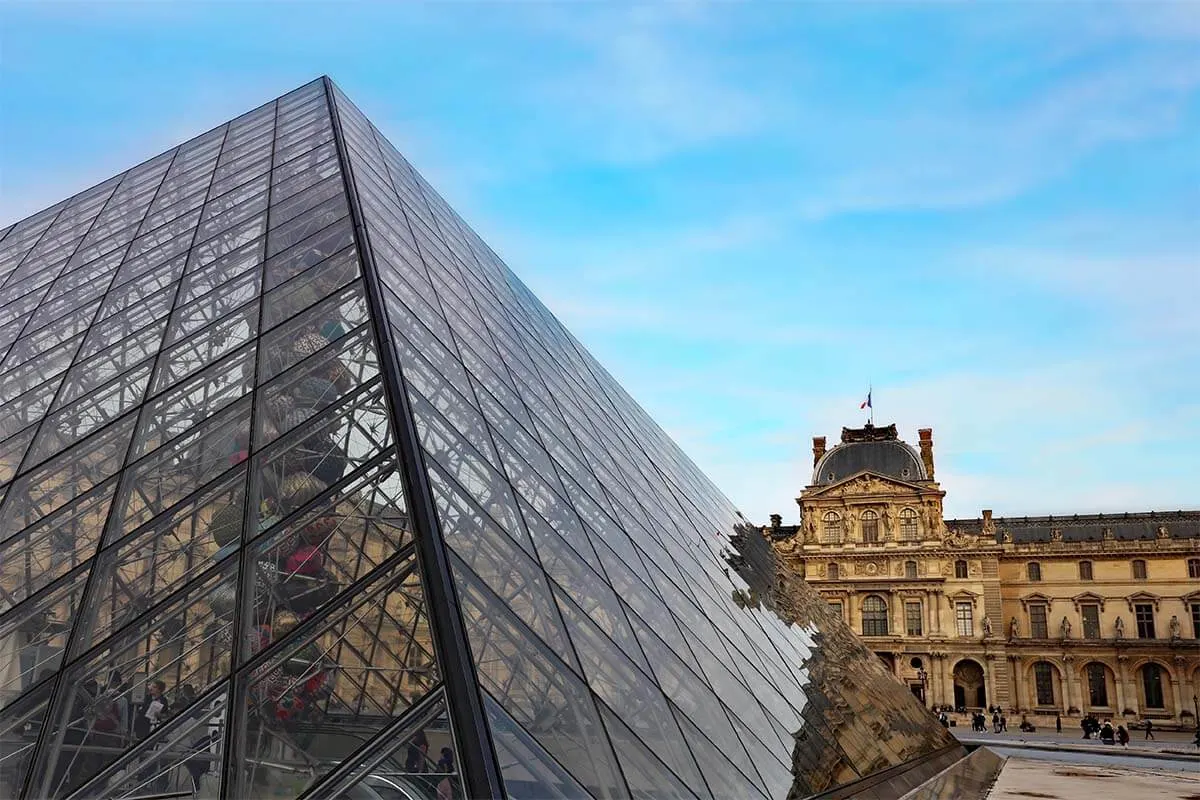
750, 211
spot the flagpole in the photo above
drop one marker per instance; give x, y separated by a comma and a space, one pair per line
871, 405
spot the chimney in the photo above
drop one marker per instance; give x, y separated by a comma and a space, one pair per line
926, 435
818, 448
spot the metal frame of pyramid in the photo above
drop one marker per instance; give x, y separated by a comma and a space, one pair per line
281, 435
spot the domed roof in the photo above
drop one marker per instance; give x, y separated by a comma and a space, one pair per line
877, 450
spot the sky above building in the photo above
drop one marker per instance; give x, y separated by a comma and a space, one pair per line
751, 212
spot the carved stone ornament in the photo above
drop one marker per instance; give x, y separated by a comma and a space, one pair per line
1064, 628
975, 569
1108, 534
956, 539
987, 626
1056, 534
872, 568
1119, 628
1173, 626
810, 530
1006, 537
1014, 628
1163, 533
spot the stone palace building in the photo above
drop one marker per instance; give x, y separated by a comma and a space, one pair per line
1096, 613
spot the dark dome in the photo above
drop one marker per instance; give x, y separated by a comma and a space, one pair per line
893, 459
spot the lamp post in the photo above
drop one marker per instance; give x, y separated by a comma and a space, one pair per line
923, 676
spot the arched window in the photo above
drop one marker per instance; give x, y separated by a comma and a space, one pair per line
831, 528
870, 527
910, 570
1194, 567
874, 616
908, 524
1152, 685
960, 569
1034, 570
1139, 570
832, 572
1085, 570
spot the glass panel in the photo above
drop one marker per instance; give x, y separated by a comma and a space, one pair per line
301, 567
181, 758
324, 692
539, 691
176, 470
37, 631
162, 557
530, 773
173, 655
419, 760
307, 461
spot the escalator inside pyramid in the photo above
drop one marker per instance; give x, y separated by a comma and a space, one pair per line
304, 494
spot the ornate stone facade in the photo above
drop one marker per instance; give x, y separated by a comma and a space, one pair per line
1040, 615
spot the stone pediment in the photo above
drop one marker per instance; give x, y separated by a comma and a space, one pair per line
866, 483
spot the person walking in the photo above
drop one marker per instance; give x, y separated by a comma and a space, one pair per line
1058, 723
1122, 736
1003, 724
1150, 730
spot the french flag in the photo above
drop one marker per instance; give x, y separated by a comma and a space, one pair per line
867, 403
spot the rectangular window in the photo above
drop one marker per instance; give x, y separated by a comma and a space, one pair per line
1043, 677
1144, 613
1194, 567
912, 618
1196, 619
1091, 621
1139, 570
964, 619
1037, 621
1034, 570
1085, 570
836, 607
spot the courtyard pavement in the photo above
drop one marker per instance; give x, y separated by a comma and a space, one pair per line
1023, 778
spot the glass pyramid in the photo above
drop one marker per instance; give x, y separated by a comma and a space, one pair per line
303, 493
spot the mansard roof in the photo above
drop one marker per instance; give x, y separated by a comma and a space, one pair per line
1125, 526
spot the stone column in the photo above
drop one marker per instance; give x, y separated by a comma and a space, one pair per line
1073, 703
852, 610
897, 609
989, 679
1177, 686
1131, 694
1119, 686
937, 612
1012, 682
937, 678
930, 602
1019, 688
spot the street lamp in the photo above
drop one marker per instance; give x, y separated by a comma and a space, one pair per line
923, 676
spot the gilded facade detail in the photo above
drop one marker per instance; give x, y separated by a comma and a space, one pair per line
1040, 615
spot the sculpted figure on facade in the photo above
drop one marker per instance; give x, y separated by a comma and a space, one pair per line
1064, 628
810, 528
987, 626
1163, 533
1119, 628
1014, 628
1174, 627
1056, 534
